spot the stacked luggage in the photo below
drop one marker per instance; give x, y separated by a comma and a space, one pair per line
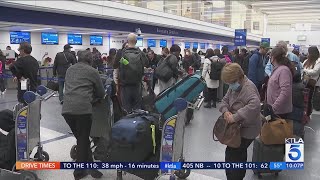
7, 140
136, 137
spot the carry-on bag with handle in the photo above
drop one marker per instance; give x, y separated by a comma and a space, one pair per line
276, 131
266, 153
188, 88
227, 134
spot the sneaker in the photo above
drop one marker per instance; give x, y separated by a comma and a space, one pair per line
95, 173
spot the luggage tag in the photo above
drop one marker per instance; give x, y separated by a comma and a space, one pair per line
23, 84
268, 118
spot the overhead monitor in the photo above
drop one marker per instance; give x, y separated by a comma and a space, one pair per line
163, 43
49, 38
152, 43
195, 45
187, 45
202, 45
75, 39
96, 40
139, 42
18, 37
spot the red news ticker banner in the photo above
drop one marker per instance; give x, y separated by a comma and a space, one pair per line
37, 165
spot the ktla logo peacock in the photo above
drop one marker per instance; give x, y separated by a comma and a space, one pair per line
294, 150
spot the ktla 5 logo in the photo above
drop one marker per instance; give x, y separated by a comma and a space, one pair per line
294, 150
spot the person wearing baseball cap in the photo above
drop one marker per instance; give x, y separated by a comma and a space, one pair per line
62, 62
257, 64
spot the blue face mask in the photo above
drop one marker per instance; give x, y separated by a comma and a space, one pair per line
234, 86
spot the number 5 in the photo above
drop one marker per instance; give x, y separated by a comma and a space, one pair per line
294, 149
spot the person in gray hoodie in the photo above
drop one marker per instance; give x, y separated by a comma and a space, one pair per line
83, 87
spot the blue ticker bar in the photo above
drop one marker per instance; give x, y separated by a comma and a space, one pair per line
277, 165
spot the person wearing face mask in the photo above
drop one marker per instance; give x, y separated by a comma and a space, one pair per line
26, 67
292, 57
83, 87
188, 61
279, 89
240, 104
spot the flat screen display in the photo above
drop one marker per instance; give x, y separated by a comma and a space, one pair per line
187, 45
195, 45
202, 46
18, 37
75, 39
96, 40
163, 43
139, 42
152, 43
49, 38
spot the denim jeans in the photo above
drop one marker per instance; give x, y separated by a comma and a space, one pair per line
61, 88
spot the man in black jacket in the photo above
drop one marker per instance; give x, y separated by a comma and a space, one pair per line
25, 68
62, 62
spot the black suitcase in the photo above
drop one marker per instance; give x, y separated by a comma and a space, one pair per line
266, 153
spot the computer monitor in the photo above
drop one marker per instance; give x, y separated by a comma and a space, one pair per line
152, 43
75, 39
96, 40
163, 43
139, 42
18, 37
49, 38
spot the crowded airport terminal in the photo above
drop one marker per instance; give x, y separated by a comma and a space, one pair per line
159, 89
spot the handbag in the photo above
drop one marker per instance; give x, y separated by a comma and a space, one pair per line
164, 72
309, 81
228, 134
276, 131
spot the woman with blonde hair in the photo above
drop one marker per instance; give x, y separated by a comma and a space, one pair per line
241, 104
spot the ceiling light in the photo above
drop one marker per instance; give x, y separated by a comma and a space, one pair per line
41, 29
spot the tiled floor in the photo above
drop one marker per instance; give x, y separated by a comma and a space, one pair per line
199, 145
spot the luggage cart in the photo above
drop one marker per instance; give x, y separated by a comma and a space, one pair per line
172, 142
27, 133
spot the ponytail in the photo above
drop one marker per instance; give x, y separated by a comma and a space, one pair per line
279, 54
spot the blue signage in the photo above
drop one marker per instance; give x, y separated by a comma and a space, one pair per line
152, 43
202, 45
240, 37
75, 39
139, 42
195, 45
96, 40
163, 43
49, 38
265, 40
19, 37
187, 45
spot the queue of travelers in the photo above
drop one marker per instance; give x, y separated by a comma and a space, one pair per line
240, 81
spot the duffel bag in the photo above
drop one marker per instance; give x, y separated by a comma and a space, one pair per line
188, 88
276, 131
7, 150
134, 137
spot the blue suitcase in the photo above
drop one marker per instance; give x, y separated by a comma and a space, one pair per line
188, 88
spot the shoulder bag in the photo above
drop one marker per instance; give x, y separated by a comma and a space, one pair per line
227, 134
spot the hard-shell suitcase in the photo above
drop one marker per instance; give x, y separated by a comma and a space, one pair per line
266, 153
188, 88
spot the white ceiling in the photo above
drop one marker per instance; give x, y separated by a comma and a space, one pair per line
288, 12
8, 26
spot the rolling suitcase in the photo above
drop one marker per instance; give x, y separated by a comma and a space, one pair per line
188, 88
266, 153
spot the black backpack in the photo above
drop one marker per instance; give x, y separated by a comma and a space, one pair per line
197, 62
132, 73
216, 68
